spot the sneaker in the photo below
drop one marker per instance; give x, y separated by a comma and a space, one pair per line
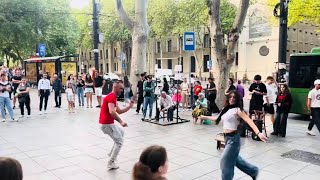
15, 120
310, 133
45, 112
22, 116
13, 107
40, 113
274, 133
98, 106
149, 119
28, 116
136, 113
112, 165
3, 120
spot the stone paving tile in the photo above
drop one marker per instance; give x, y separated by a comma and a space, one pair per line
66, 146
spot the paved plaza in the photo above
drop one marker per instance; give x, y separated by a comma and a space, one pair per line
64, 146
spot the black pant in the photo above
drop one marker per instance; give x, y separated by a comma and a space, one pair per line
44, 94
280, 123
213, 108
27, 103
169, 113
57, 98
315, 113
140, 101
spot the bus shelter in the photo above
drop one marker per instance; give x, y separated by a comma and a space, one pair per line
60, 65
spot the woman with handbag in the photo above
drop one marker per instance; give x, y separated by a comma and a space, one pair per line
24, 97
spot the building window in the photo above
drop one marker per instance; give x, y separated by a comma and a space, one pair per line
159, 63
181, 63
237, 58
115, 52
115, 67
101, 68
299, 51
169, 63
78, 69
205, 63
206, 41
90, 57
130, 52
107, 54
85, 69
193, 64
294, 29
169, 44
158, 47
107, 68
293, 51
300, 30
101, 55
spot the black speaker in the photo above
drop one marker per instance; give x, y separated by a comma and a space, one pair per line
258, 123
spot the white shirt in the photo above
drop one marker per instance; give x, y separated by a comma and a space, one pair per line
184, 86
44, 84
314, 95
69, 92
271, 93
166, 102
231, 119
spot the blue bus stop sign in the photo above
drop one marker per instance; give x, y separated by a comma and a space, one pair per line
123, 65
189, 41
42, 50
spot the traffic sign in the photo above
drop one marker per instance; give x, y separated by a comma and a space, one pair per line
123, 65
189, 41
42, 50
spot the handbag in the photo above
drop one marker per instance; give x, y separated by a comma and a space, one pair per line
22, 99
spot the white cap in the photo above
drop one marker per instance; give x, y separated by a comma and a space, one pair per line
317, 82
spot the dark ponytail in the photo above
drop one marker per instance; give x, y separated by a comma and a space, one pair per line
149, 162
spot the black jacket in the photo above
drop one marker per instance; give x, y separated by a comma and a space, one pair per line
57, 85
285, 103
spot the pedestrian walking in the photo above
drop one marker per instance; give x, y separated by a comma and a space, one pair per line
98, 85
240, 91
271, 97
185, 87
89, 90
127, 90
148, 94
140, 93
109, 112
5, 102
313, 105
153, 164
257, 90
230, 158
23, 97
57, 88
80, 90
284, 102
70, 97
16, 79
212, 94
43, 93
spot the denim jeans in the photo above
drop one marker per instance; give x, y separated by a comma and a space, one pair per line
80, 93
280, 123
126, 94
230, 158
116, 135
6, 102
147, 101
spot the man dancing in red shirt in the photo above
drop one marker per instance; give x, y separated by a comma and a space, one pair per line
108, 113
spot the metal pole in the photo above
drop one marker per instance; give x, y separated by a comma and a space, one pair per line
283, 36
95, 29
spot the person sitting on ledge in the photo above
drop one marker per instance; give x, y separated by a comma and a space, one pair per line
201, 107
165, 104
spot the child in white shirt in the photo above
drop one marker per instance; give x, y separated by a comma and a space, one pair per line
70, 97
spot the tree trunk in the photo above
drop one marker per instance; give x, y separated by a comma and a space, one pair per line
140, 29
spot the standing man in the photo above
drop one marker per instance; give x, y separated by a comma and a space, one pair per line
271, 97
148, 93
5, 102
212, 94
140, 93
57, 87
16, 80
313, 105
240, 91
257, 90
109, 112
43, 93
98, 82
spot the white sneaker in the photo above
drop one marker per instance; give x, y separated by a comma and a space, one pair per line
22, 116
136, 113
3, 120
45, 112
28, 116
15, 120
40, 113
112, 165
310, 133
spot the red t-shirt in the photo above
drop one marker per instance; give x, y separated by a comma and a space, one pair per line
105, 116
197, 89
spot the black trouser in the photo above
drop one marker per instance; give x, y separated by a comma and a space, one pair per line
44, 94
280, 123
169, 113
27, 103
213, 108
315, 113
57, 98
140, 101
